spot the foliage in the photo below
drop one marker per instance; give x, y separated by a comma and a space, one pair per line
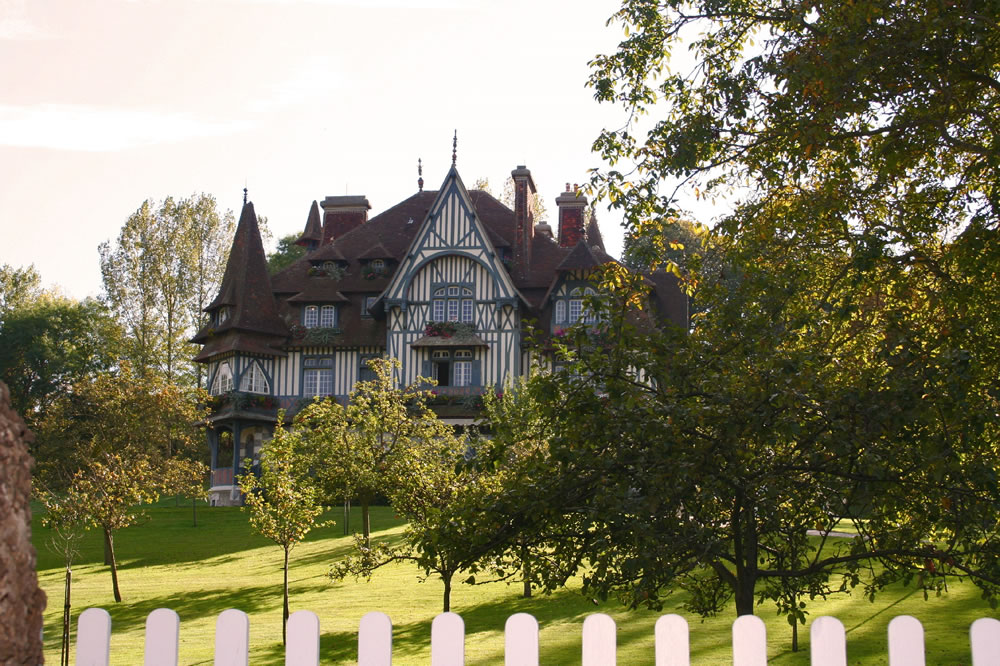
285, 254
448, 329
47, 343
282, 503
160, 274
848, 371
117, 412
104, 494
18, 287
365, 449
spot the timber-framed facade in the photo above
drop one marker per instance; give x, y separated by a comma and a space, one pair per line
445, 281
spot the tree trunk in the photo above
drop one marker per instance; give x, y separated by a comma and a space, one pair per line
64, 656
795, 635
526, 572
107, 554
109, 545
284, 615
366, 530
447, 591
347, 516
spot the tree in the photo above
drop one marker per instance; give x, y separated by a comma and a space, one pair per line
104, 494
18, 286
282, 501
850, 360
48, 343
121, 413
285, 254
365, 449
161, 272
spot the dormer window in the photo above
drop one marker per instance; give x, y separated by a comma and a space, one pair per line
573, 310
254, 380
223, 315
378, 265
330, 267
324, 316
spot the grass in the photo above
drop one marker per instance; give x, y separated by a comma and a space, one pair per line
201, 571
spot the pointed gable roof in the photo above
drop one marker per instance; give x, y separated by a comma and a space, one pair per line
452, 199
583, 257
314, 227
246, 287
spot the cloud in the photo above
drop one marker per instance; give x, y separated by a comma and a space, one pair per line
102, 129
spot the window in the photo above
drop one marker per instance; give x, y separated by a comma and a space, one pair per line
463, 373
453, 303
378, 265
575, 306
328, 316
223, 314
560, 315
365, 373
317, 378
452, 368
366, 309
589, 316
254, 380
223, 380
310, 317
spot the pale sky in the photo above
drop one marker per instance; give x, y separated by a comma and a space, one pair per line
106, 103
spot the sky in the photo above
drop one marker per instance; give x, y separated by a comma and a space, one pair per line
107, 103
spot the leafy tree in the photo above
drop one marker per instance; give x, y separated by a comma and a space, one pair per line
104, 494
285, 254
850, 361
163, 269
282, 502
18, 286
118, 412
367, 448
50, 342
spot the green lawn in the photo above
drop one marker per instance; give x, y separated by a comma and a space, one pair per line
201, 571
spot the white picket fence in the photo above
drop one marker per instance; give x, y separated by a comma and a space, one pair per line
828, 642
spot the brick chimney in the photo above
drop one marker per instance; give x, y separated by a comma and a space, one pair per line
571, 204
524, 222
342, 214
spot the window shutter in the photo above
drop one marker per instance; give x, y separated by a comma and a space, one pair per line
477, 377
425, 369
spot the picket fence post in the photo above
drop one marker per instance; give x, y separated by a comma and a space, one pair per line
672, 648
93, 638
163, 628
984, 634
302, 647
827, 642
906, 641
232, 638
375, 640
600, 640
520, 646
448, 640
749, 641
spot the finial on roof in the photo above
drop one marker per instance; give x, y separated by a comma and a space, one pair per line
244, 195
454, 148
420, 174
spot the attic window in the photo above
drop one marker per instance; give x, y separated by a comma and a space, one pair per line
329, 266
223, 314
378, 265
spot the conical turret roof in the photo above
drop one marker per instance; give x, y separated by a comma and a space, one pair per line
314, 227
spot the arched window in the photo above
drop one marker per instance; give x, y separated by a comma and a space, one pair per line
254, 380
223, 382
560, 315
453, 303
310, 318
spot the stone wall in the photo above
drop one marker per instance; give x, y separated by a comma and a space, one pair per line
21, 600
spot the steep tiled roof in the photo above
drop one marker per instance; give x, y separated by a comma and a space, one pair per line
583, 257
246, 288
314, 227
594, 237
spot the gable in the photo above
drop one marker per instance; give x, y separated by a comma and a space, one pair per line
451, 228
